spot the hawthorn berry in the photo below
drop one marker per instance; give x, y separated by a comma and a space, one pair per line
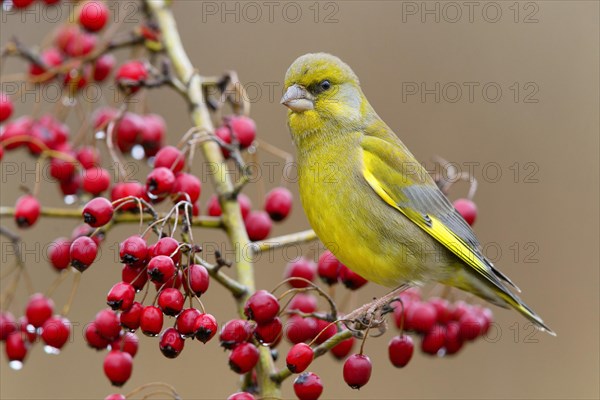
351, 279
50, 58
93, 338
39, 309
83, 252
196, 279
6, 107
136, 276
261, 307
170, 157
299, 329
16, 347
56, 331
161, 269
258, 225
62, 170
103, 66
121, 296
128, 130
268, 333
234, 332
22, 3
81, 44
133, 251
470, 326
151, 321
357, 370
171, 343
160, 181
95, 180
27, 211
186, 321
453, 341
59, 253
307, 303
128, 342
241, 396
205, 327
29, 332
8, 324
98, 212
186, 188
107, 324
343, 348
115, 396
130, 319
308, 386
170, 301
243, 358
278, 203
118, 366
131, 75
467, 209
153, 134
93, 15
400, 350
244, 130
299, 357
325, 330
301, 268
434, 340
166, 246
328, 268
421, 317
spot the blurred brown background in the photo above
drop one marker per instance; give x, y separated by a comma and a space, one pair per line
542, 135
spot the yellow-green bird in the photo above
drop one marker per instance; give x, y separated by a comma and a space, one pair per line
370, 201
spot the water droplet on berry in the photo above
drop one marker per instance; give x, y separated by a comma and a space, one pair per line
51, 350
100, 135
16, 365
138, 152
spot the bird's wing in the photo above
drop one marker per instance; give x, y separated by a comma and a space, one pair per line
399, 180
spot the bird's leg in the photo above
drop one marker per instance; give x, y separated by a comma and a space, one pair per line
371, 314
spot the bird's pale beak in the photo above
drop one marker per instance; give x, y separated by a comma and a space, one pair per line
298, 99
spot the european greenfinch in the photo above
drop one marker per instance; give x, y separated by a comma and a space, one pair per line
370, 201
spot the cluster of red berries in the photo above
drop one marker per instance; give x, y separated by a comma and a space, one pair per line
38, 322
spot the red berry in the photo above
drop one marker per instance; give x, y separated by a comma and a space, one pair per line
98, 212
308, 386
186, 321
186, 184
93, 338
241, 396
470, 326
16, 347
6, 107
214, 208
22, 3
56, 331
205, 327
328, 268
128, 342
454, 341
93, 15
153, 134
95, 180
301, 268
224, 133
243, 358
128, 131
130, 75
258, 225
29, 332
83, 252
130, 319
133, 251
39, 309
467, 209
64, 35
458, 309
107, 324
161, 269
174, 282
151, 321
234, 332
325, 330
103, 66
117, 367
8, 324
442, 309
166, 246
27, 211
244, 130
62, 170
306, 303
434, 340
278, 203
115, 396
160, 181
71, 187
121, 296
400, 350
171, 343
343, 348
59, 253
136, 276
170, 301
421, 317
351, 279
262, 307
170, 157
81, 44
299, 357
103, 116
196, 279
300, 329
269, 332
51, 58
357, 370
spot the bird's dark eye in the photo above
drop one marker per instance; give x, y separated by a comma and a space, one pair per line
324, 85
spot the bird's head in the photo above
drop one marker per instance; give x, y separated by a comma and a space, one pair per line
320, 89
